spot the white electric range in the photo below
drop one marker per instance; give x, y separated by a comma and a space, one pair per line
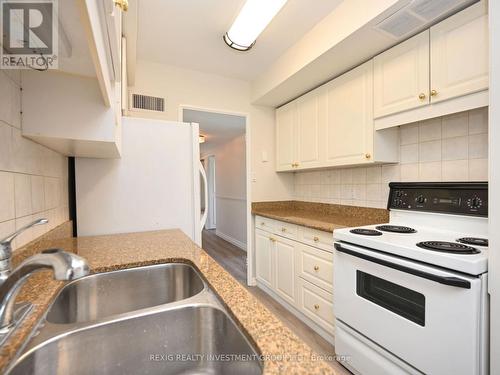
410, 296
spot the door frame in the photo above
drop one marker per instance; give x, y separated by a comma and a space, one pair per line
250, 247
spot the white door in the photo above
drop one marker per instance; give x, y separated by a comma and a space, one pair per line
349, 124
401, 76
310, 119
285, 136
263, 257
459, 54
285, 269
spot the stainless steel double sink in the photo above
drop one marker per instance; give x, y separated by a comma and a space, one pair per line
160, 319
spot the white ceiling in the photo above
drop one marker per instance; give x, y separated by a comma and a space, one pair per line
216, 127
189, 34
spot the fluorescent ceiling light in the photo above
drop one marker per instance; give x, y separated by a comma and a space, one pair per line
251, 21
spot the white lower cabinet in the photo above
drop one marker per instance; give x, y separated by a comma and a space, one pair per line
296, 274
263, 257
284, 268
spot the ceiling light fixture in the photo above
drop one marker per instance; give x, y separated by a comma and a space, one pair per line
201, 138
250, 22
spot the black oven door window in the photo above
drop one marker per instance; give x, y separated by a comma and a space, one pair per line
396, 298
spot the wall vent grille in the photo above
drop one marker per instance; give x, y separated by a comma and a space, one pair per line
148, 103
418, 14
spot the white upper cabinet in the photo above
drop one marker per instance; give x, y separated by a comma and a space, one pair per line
401, 76
441, 71
459, 54
309, 128
286, 118
349, 131
333, 126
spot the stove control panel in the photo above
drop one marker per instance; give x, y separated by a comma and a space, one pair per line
465, 198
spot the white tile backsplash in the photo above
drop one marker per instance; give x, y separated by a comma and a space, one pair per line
451, 148
33, 178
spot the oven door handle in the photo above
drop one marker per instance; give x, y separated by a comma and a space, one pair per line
446, 280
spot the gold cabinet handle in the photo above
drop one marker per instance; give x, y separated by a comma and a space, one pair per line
368, 156
316, 307
122, 4
434, 92
316, 268
272, 239
421, 96
316, 239
283, 229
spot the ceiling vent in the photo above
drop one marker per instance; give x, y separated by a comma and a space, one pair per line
141, 102
417, 14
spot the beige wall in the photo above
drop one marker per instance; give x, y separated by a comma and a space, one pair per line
33, 179
451, 148
230, 190
192, 88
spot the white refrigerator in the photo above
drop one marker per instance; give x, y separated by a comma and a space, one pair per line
154, 185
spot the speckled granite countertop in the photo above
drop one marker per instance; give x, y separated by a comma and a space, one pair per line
107, 253
321, 216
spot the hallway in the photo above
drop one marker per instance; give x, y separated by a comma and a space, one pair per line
233, 259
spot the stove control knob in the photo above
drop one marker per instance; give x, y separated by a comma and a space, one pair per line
475, 203
420, 199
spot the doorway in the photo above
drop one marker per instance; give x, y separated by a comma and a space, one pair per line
223, 153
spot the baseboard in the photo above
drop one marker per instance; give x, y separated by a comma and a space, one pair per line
231, 240
308, 321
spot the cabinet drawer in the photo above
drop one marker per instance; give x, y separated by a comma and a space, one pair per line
316, 266
317, 238
316, 304
286, 230
264, 223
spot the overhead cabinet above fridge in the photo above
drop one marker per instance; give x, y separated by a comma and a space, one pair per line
77, 108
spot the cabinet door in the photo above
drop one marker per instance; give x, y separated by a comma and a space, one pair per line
349, 128
285, 269
309, 124
286, 118
401, 76
459, 54
263, 257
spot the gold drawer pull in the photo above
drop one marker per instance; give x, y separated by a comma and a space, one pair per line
368, 156
421, 96
316, 268
316, 307
316, 239
283, 229
272, 239
434, 92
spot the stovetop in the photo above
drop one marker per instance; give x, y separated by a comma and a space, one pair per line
405, 245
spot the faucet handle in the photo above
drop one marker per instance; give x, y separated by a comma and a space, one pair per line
8, 240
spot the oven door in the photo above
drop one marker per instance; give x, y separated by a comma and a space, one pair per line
428, 317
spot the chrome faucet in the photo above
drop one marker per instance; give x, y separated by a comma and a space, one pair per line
6, 248
65, 266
